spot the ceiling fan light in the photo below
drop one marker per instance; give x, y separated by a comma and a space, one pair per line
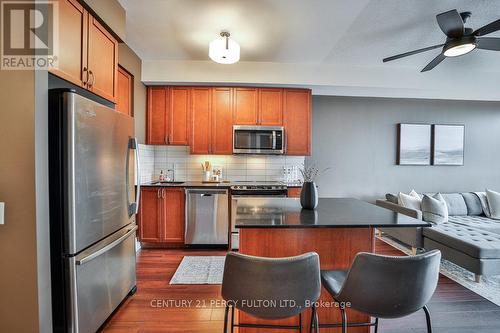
224, 50
458, 50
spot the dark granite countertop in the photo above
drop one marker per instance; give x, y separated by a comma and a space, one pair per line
330, 213
188, 184
201, 184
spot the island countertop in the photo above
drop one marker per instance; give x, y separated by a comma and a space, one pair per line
330, 213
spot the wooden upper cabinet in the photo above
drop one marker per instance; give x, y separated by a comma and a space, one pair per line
200, 139
271, 107
150, 215
124, 98
102, 61
71, 62
222, 121
173, 228
88, 53
179, 115
245, 110
157, 120
297, 121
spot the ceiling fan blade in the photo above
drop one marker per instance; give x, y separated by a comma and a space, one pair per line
488, 29
436, 61
488, 43
451, 23
406, 54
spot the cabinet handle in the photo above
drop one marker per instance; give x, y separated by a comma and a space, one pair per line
85, 75
163, 193
91, 75
158, 193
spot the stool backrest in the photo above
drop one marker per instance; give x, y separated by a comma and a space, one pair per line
391, 287
271, 288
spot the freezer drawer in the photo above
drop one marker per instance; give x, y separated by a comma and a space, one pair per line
100, 278
207, 219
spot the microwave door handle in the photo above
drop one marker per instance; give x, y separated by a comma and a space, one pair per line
274, 139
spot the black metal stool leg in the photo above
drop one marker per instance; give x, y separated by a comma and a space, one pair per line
225, 318
232, 319
376, 325
428, 319
313, 320
300, 322
344, 320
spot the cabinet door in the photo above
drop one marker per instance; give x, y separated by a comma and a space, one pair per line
245, 106
179, 113
173, 231
150, 215
294, 192
124, 98
297, 120
200, 119
271, 107
102, 61
156, 114
72, 55
222, 121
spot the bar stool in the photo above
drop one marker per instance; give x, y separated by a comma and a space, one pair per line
271, 288
384, 286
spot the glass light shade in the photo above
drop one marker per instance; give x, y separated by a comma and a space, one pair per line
459, 50
222, 52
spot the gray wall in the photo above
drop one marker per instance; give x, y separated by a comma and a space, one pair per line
357, 137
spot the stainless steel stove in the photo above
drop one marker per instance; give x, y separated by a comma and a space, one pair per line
259, 189
241, 190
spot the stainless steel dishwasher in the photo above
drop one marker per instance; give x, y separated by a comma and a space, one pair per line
207, 217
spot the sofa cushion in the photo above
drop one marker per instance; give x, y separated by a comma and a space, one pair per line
494, 204
411, 200
478, 222
392, 198
434, 209
473, 203
472, 241
456, 204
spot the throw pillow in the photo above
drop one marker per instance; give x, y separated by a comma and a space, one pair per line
493, 203
434, 209
391, 198
411, 200
484, 203
474, 207
456, 204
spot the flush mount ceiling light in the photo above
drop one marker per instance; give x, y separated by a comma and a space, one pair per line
224, 50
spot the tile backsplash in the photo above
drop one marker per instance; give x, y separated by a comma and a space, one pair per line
187, 167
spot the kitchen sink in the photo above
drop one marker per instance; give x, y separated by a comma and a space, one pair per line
166, 182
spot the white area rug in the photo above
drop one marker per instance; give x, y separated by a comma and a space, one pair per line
199, 270
489, 287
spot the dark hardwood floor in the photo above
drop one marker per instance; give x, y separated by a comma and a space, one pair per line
160, 307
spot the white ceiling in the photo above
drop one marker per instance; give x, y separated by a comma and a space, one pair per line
340, 38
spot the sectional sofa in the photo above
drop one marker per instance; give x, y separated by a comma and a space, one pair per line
468, 239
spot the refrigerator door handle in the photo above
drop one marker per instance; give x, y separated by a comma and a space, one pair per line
133, 208
106, 248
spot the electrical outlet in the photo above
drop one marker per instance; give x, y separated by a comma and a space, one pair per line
2, 209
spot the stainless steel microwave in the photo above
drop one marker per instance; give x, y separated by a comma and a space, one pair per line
258, 139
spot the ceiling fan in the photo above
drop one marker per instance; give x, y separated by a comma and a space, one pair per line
459, 39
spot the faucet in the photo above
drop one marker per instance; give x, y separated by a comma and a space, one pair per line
173, 174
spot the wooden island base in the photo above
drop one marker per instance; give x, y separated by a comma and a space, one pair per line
336, 247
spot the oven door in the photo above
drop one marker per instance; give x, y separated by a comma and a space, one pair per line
257, 140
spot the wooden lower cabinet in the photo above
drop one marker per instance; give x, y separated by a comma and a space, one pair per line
161, 215
294, 192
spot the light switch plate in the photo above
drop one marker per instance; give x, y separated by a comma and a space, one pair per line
2, 209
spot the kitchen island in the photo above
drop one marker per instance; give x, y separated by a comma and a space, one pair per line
337, 230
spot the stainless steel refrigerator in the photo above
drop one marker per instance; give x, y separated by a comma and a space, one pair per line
93, 202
